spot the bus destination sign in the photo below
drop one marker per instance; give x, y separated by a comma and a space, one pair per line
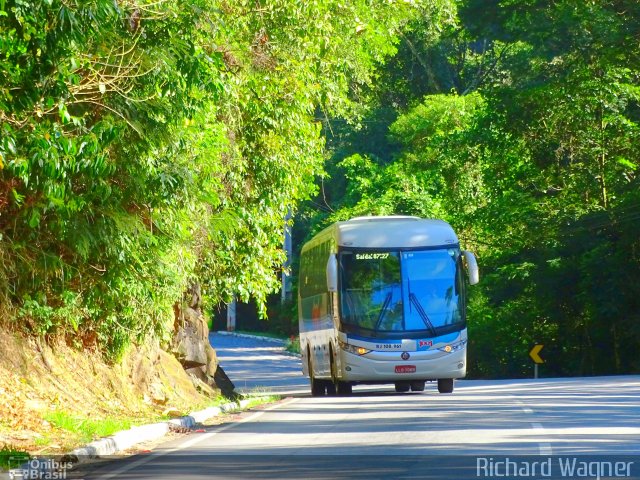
372, 256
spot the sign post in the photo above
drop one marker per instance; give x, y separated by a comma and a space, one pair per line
231, 316
288, 249
537, 359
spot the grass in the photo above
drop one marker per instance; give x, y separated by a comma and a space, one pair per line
87, 429
279, 336
42, 441
71, 430
11, 457
74, 430
83, 430
260, 395
293, 345
257, 396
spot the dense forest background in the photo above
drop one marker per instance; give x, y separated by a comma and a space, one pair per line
517, 122
149, 145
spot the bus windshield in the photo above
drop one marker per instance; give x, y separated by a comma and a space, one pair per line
419, 291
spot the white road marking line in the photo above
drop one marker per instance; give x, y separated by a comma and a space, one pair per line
193, 441
200, 438
545, 448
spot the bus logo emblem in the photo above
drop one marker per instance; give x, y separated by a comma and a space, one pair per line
405, 356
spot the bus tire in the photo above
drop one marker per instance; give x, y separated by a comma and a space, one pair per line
331, 387
344, 388
402, 387
335, 385
417, 386
445, 385
318, 387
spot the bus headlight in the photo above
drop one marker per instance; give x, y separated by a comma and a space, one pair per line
454, 347
353, 349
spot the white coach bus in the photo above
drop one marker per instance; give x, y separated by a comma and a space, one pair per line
382, 300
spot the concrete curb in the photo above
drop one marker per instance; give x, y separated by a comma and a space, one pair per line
255, 337
126, 439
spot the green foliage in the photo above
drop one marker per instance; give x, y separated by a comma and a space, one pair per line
146, 146
431, 162
292, 345
522, 131
11, 457
282, 316
68, 316
87, 429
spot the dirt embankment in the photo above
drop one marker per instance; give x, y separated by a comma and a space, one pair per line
49, 390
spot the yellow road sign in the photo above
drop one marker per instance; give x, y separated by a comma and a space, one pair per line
535, 353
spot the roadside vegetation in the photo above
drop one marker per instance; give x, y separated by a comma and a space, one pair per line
147, 146
519, 123
266, 334
292, 344
10, 456
55, 398
71, 430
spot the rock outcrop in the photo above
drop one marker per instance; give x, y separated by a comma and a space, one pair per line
192, 348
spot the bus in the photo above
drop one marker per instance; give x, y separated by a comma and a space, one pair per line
381, 300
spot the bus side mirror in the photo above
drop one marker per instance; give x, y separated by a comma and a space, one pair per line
472, 267
332, 273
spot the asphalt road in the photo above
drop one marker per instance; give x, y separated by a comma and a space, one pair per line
377, 433
259, 365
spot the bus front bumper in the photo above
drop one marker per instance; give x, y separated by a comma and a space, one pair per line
381, 367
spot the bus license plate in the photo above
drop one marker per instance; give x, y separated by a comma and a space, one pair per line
405, 368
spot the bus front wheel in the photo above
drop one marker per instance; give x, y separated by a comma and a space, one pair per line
344, 388
318, 387
445, 385
331, 387
340, 387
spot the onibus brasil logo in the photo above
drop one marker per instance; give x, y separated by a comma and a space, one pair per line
25, 468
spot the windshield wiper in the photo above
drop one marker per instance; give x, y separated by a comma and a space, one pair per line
387, 300
423, 315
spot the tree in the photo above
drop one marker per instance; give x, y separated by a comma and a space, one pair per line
534, 160
147, 146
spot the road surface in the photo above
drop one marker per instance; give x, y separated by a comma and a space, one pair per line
377, 433
259, 365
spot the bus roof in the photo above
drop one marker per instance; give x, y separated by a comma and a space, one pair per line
388, 232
